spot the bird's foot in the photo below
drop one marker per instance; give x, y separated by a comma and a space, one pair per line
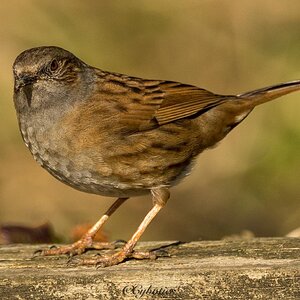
102, 261
79, 247
107, 260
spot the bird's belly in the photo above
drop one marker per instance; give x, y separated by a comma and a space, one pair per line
87, 180
95, 184
79, 171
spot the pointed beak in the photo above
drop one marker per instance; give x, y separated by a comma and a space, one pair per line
23, 81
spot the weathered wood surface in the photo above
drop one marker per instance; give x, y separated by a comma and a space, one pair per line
266, 268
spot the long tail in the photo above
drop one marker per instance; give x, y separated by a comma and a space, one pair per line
271, 92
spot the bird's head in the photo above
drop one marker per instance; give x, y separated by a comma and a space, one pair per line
45, 75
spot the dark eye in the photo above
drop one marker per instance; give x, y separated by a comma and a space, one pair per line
54, 65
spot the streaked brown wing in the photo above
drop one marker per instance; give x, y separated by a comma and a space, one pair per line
144, 104
181, 101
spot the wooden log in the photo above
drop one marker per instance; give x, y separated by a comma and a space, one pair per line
261, 268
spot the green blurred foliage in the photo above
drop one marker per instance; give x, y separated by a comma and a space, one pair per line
251, 181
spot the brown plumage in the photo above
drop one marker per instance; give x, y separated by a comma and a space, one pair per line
116, 135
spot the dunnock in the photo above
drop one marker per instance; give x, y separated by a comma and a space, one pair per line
119, 136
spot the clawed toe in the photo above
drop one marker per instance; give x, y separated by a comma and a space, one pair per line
69, 250
162, 253
103, 245
102, 261
37, 252
143, 255
40, 252
77, 248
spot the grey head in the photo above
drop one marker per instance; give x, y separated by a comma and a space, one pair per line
47, 76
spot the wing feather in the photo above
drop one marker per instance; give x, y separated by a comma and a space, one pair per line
146, 103
182, 101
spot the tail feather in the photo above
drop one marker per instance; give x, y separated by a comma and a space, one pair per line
269, 93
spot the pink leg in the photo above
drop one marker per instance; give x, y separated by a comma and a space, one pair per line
86, 242
160, 198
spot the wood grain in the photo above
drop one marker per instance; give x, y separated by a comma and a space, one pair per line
261, 268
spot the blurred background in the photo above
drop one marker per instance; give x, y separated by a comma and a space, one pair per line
249, 182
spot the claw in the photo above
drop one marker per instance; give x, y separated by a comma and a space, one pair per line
162, 253
38, 251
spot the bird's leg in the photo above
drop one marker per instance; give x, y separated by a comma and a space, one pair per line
86, 241
160, 197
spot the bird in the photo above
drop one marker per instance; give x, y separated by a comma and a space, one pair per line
119, 136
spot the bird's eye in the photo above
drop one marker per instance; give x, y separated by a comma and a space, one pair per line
54, 65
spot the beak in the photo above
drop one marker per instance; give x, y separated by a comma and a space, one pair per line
23, 81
